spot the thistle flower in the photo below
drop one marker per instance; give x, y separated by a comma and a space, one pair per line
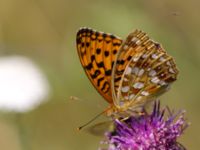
151, 131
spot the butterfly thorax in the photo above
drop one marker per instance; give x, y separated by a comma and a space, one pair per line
123, 112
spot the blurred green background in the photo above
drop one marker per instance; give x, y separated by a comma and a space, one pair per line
45, 32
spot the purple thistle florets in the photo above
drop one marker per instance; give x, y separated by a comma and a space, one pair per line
151, 131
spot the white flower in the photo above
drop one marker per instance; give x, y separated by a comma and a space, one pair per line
22, 84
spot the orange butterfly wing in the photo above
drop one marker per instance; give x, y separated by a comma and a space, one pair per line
97, 52
142, 71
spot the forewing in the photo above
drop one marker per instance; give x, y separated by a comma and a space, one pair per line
142, 71
97, 52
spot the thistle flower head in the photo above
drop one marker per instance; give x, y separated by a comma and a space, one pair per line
151, 131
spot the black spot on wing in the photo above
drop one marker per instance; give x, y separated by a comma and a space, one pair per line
116, 44
104, 35
117, 79
100, 64
121, 62
114, 51
106, 53
96, 74
87, 44
107, 42
100, 40
89, 66
92, 58
82, 44
113, 64
104, 89
108, 72
112, 36
129, 58
99, 81
98, 50
78, 40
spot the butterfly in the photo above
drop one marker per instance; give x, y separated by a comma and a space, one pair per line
129, 73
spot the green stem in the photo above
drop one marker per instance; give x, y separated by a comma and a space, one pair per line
21, 132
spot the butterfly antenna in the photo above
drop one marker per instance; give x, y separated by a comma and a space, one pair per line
83, 126
77, 99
